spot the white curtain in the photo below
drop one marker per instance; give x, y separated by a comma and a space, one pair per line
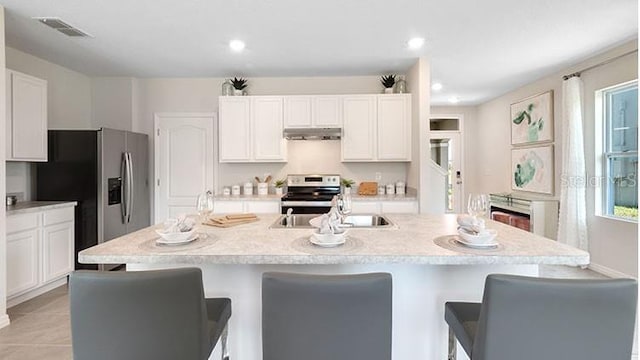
572, 227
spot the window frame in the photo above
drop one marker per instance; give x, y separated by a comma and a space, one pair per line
604, 153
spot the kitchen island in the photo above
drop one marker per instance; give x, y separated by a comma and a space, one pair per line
427, 268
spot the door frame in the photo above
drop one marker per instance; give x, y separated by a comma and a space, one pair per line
157, 117
460, 131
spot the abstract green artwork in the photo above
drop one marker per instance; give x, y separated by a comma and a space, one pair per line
532, 169
532, 119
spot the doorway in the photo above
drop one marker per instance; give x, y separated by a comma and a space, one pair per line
184, 162
446, 150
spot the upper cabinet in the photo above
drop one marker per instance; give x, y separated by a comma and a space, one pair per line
317, 111
376, 128
26, 117
250, 129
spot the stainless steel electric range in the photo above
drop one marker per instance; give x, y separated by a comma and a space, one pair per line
310, 194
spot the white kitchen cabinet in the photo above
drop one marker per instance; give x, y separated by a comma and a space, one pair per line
250, 129
317, 111
40, 252
235, 129
394, 128
376, 128
22, 261
26, 132
297, 112
359, 128
246, 206
267, 120
384, 207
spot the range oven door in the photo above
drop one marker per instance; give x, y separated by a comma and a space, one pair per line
306, 207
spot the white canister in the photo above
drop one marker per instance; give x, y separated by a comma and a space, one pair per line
400, 188
227, 191
235, 190
391, 189
381, 189
263, 188
248, 188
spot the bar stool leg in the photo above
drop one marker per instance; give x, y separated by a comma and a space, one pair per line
223, 340
452, 345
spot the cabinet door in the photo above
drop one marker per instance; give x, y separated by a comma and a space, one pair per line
27, 112
399, 207
228, 207
57, 251
297, 112
22, 261
358, 134
262, 207
235, 129
394, 124
326, 111
269, 143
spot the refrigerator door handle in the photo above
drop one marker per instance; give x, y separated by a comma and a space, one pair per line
124, 188
130, 189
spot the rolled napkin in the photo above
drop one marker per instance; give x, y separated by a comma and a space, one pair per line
471, 224
328, 223
180, 224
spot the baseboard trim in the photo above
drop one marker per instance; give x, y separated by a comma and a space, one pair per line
4, 320
607, 271
15, 300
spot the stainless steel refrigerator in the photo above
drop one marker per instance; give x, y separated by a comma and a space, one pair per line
107, 172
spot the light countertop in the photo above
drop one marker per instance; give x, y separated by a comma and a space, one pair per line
36, 206
413, 240
254, 197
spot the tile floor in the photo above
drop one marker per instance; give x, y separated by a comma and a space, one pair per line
40, 328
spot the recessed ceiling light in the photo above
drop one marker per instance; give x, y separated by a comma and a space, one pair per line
415, 43
436, 86
236, 45
454, 100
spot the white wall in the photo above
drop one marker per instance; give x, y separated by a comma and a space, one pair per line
68, 91
19, 175
4, 319
613, 243
112, 102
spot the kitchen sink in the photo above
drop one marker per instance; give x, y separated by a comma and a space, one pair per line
301, 221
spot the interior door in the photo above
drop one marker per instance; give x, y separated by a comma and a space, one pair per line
183, 161
446, 151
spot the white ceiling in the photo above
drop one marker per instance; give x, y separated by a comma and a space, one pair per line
479, 48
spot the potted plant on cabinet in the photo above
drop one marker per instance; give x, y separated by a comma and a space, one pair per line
279, 184
346, 185
388, 81
238, 85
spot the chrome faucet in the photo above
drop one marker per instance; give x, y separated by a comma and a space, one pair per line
343, 205
289, 218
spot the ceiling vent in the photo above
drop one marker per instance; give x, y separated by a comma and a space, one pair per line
61, 26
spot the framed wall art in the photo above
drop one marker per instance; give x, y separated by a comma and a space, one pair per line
532, 119
532, 169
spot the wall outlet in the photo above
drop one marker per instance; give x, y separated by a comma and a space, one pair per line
378, 176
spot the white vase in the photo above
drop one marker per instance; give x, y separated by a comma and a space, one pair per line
237, 92
388, 90
346, 190
278, 191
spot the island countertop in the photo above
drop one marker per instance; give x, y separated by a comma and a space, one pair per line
410, 241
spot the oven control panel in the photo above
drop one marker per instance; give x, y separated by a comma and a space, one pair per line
313, 180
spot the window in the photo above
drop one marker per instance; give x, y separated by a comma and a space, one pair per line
620, 150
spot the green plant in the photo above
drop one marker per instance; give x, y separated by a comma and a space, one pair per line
347, 182
388, 81
280, 183
238, 84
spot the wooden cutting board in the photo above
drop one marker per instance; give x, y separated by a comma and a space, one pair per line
368, 188
231, 220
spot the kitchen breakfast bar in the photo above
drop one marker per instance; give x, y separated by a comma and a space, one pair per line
428, 267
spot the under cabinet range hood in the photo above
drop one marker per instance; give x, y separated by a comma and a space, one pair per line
313, 134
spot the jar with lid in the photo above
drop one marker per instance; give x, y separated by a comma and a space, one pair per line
227, 88
401, 85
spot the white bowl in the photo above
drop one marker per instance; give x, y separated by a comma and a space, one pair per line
485, 237
330, 238
175, 236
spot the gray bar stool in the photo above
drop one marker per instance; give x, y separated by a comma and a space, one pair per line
321, 317
533, 318
145, 315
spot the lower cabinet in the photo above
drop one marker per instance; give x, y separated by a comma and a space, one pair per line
40, 251
246, 206
384, 207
